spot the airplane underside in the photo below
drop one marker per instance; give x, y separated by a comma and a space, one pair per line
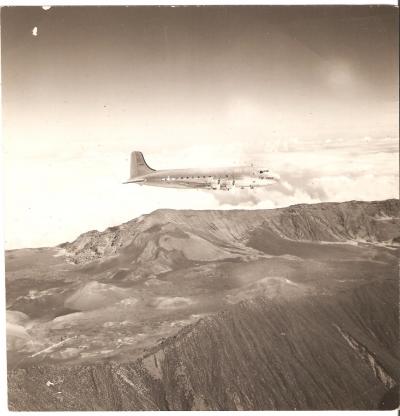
216, 185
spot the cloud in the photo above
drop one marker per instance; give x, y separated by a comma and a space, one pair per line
235, 197
327, 175
63, 191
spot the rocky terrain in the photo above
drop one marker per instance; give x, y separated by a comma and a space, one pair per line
292, 308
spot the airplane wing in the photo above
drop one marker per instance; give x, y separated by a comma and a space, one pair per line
196, 185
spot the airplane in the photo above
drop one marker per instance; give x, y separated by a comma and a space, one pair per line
200, 178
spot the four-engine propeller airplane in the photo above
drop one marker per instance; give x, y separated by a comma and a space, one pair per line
207, 178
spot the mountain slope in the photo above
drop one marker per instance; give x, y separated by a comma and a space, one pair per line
274, 309
314, 354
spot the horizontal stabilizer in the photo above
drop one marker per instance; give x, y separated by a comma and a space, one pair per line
134, 181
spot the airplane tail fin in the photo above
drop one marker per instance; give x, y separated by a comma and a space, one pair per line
139, 166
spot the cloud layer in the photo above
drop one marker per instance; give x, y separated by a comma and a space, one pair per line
53, 199
366, 169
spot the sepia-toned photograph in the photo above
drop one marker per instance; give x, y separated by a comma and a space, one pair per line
201, 207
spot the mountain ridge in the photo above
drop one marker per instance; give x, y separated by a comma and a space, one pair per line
293, 308
312, 222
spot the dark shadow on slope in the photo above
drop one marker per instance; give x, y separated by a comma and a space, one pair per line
390, 400
265, 240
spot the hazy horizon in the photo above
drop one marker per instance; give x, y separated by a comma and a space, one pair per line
310, 91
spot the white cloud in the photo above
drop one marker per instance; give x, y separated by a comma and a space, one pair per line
54, 193
329, 175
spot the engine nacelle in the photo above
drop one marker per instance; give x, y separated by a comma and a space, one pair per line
215, 185
223, 184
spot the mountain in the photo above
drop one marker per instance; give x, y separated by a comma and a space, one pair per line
291, 308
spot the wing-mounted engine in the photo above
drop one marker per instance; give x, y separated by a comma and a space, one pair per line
215, 184
222, 184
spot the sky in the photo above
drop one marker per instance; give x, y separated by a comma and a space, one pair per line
310, 92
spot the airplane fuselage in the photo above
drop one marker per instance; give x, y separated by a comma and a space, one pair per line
217, 178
